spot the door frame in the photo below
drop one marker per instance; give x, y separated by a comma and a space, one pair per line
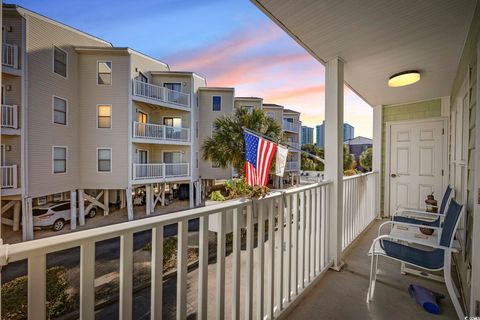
389, 124
148, 155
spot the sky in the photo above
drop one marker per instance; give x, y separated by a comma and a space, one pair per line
229, 42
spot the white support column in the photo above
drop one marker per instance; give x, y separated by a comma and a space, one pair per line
148, 199
81, 208
334, 153
122, 199
190, 196
16, 215
73, 210
27, 219
163, 194
106, 202
377, 157
129, 203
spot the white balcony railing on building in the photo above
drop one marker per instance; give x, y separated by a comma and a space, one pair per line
160, 132
358, 205
292, 166
293, 144
10, 55
291, 126
292, 253
8, 176
9, 116
160, 170
162, 94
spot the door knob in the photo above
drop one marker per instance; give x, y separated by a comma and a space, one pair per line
393, 175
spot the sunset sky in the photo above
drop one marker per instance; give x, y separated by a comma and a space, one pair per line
231, 43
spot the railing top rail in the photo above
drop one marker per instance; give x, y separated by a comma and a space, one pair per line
161, 125
20, 251
160, 164
359, 175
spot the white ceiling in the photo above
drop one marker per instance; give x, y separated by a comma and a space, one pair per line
378, 38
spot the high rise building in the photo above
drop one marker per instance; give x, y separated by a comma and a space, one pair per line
348, 133
307, 135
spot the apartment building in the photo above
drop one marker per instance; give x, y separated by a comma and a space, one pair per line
289, 120
86, 122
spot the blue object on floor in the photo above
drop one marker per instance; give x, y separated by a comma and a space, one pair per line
426, 298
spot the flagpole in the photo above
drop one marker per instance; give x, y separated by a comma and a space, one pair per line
283, 144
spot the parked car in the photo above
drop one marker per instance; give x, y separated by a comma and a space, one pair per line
56, 214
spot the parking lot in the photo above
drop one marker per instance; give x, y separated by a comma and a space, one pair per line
99, 220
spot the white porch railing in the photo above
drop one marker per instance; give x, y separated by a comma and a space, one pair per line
160, 132
291, 126
291, 253
358, 205
162, 94
9, 116
291, 166
8, 176
10, 55
160, 170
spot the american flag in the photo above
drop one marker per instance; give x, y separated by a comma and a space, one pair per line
258, 158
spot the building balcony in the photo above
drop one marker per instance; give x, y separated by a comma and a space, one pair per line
160, 134
10, 55
293, 144
9, 177
161, 96
160, 171
292, 166
9, 119
291, 126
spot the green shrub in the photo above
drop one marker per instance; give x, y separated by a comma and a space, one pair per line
14, 296
169, 249
217, 196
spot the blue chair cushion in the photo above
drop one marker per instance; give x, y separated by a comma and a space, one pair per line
435, 223
427, 259
450, 222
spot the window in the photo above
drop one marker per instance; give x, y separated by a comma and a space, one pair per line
104, 160
196, 158
216, 103
59, 159
271, 115
104, 69
59, 62
62, 207
172, 122
104, 116
142, 78
248, 108
59, 111
172, 157
175, 86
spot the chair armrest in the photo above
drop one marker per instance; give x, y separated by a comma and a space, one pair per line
400, 210
416, 241
406, 224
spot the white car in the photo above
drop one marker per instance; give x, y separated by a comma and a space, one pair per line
56, 214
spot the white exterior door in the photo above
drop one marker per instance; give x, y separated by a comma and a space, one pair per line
416, 163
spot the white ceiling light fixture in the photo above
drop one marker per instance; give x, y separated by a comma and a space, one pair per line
404, 78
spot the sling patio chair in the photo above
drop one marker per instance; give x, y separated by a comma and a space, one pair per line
432, 253
417, 216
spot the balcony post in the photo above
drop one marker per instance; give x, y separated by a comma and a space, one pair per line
129, 203
81, 208
16, 215
73, 210
148, 199
27, 218
334, 154
190, 195
377, 157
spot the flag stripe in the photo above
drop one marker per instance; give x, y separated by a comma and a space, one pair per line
258, 159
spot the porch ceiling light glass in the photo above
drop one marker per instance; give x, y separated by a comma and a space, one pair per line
404, 78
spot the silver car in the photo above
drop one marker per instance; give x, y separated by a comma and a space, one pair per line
56, 214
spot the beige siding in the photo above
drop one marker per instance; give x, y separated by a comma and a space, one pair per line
196, 115
42, 85
207, 117
92, 137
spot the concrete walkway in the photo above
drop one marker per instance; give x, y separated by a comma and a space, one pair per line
342, 295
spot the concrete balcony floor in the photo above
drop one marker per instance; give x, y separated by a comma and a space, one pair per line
342, 295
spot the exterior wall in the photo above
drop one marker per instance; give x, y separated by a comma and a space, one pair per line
256, 103
277, 112
410, 111
206, 120
42, 84
196, 114
14, 96
91, 137
468, 66
307, 135
11, 19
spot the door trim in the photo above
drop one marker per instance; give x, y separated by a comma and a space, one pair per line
446, 173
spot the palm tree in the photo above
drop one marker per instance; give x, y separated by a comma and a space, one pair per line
226, 146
